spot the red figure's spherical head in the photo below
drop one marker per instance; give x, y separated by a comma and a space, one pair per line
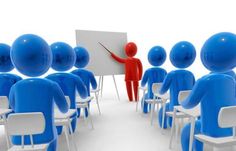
130, 49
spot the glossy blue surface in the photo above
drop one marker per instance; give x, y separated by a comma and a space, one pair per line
182, 54
197, 145
6, 80
31, 55
82, 57
69, 84
63, 56
5, 59
219, 51
38, 95
157, 56
215, 90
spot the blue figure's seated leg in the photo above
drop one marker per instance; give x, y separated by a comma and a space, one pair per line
166, 124
144, 104
59, 130
74, 123
78, 112
86, 110
185, 136
52, 146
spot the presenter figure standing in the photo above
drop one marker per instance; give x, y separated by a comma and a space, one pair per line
133, 69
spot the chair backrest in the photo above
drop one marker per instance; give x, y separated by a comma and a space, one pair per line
156, 87
183, 95
68, 100
4, 103
226, 117
25, 123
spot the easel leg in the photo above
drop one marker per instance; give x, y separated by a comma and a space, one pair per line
116, 87
101, 86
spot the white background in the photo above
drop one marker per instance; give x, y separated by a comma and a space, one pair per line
148, 22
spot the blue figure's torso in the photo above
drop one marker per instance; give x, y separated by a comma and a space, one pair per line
176, 81
213, 91
6, 82
87, 77
69, 83
153, 75
230, 73
38, 95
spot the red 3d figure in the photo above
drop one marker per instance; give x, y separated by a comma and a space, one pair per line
133, 69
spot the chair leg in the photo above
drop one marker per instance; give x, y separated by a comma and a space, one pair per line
85, 118
6, 133
163, 117
72, 135
191, 133
177, 130
90, 118
172, 129
96, 96
152, 112
67, 137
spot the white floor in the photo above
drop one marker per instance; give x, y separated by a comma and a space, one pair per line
119, 128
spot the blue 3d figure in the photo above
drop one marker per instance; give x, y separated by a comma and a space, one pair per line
64, 59
31, 55
82, 59
6, 80
215, 90
156, 57
182, 55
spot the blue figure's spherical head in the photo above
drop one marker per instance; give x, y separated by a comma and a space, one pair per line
63, 56
156, 56
31, 55
183, 54
5, 59
218, 53
82, 57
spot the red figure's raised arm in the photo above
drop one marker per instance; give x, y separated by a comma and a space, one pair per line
140, 69
118, 59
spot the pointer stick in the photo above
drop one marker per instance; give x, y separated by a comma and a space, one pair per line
104, 47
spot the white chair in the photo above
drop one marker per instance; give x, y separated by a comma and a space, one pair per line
156, 101
23, 124
226, 119
96, 93
177, 115
144, 89
84, 104
64, 120
4, 110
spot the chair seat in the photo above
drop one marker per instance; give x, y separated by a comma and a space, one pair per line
152, 101
217, 141
61, 122
86, 100
39, 147
94, 91
178, 114
60, 115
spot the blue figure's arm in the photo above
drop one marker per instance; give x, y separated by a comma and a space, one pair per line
81, 88
145, 79
195, 96
12, 97
166, 83
59, 98
93, 81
